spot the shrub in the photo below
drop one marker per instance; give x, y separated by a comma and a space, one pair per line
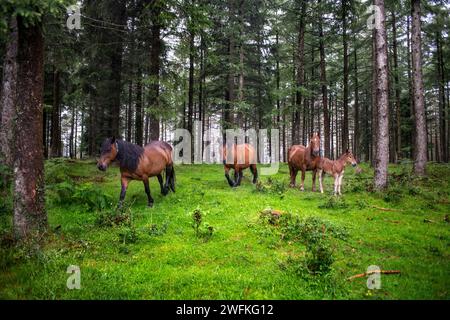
92, 197
202, 229
86, 194
56, 171
273, 186
334, 203
155, 230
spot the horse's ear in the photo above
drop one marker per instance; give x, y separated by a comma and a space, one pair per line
113, 139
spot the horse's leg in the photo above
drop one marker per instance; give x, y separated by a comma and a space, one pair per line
293, 175
123, 191
336, 183
164, 189
227, 175
237, 177
147, 191
314, 180
340, 182
320, 180
254, 171
302, 186
170, 178
241, 174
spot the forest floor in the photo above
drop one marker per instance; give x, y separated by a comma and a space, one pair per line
304, 247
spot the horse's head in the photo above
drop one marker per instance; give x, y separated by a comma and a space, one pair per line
315, 145
349, 158
108, 153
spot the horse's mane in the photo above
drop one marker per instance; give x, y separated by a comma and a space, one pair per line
129, 155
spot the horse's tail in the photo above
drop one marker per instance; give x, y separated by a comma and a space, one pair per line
170, 173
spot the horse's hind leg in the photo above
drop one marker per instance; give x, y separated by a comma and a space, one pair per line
254, 171
293, 173
170, 178
239, 177
147, 191
164, 189
227, 175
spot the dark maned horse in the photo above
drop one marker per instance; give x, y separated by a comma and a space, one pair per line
138, 163
239, 157
304, 159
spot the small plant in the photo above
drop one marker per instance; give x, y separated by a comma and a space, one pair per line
319, 257
197, 220
272, 186
128, 234
202, 229
334, 203
155, 230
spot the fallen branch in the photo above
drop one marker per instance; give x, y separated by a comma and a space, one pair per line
386, 209
361, 275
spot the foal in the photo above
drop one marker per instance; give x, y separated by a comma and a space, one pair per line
336, 169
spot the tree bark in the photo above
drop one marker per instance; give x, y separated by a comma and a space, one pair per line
8, 102
139, 122
30, 217
55, 141
356, 136
398, 125
155, 66
382, 146
130, 110
300, 75
323, 80
442, 109
420, 159
345, 144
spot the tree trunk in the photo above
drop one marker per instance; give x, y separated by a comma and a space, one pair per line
374, 128
323, 80
345, 145
420, 159
130, 110
398, 124
300, 75
139, 122
8, 102
55, 142
191, 89
30, 217
382, 146
356, 136
155, 65
442, 111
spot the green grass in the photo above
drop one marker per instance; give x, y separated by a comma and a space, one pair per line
162, 258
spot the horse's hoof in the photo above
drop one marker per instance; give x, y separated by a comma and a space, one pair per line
150, 204
165, 191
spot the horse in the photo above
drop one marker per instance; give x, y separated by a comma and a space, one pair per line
239, 157
139, 163
335, 168
304, 159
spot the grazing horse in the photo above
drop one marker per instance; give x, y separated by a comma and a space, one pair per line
139, 163
239, 157
335, 168
304, 159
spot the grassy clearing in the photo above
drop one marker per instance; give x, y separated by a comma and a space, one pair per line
156, 253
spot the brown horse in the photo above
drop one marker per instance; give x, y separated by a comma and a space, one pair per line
335, 168
239, 157
304, 159
138, 163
